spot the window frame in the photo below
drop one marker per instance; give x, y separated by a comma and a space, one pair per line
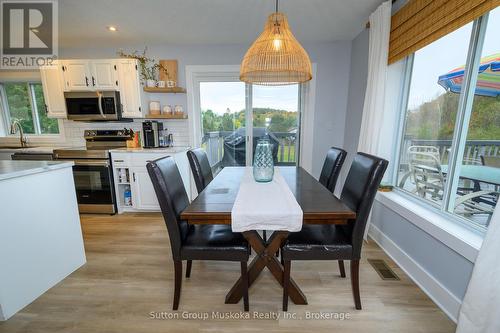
458, 142
6, 118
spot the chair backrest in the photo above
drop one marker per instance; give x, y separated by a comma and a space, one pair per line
425, 170
334, 159
493, 161
173, 199
202, 172
359, 191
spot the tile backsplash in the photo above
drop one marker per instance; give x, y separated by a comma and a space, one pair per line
73, 130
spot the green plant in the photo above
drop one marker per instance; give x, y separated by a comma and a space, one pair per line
148, 66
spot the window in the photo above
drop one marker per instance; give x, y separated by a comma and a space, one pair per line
233, 112
450, 149
23, 101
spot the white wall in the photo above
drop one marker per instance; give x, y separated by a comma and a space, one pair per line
332, 61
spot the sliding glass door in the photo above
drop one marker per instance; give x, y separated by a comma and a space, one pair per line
233, 116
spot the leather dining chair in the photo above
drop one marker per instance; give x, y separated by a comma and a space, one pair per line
202, 172
339, 242
334, 159
193, 242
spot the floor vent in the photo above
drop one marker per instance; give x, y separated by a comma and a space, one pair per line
384, 271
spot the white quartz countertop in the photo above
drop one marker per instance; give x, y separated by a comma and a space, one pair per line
32, 150
13, 169
150, 150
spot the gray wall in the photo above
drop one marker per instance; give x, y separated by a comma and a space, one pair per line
444, 264
355, 99
332, 79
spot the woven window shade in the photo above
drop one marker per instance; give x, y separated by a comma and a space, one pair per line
421, 22
276, 57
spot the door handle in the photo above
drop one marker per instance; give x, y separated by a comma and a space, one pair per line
87, 81
133, 176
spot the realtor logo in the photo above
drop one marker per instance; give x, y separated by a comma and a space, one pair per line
29, 33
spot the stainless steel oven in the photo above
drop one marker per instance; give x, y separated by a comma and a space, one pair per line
93, 105
92, 172
94, 186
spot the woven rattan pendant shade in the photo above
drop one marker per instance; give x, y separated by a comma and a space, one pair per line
276, 57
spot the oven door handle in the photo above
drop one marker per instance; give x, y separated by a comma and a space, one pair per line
91, 163
99, 101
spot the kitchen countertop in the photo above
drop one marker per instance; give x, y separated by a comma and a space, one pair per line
150, 150
13, 169
32, 150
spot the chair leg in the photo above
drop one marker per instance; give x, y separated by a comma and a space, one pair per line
178, 283
342, 268
355, 283
188, 268
286, 283
244, 276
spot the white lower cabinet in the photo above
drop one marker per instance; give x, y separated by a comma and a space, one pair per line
133, 187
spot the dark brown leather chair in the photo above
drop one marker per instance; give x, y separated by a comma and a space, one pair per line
342, 242
335, 157
193, 242
202, 172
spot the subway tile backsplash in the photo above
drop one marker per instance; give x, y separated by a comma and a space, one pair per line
73, 130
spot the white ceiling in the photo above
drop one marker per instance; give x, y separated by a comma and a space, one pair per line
82, 23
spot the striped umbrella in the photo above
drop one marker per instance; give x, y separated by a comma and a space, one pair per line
488, 80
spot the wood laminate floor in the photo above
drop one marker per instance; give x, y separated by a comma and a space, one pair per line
128, 279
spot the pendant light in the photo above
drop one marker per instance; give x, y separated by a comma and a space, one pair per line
276, 57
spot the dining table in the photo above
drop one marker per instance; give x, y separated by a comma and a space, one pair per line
214, 205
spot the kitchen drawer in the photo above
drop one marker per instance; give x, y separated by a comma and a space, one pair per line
120, 160
141, 159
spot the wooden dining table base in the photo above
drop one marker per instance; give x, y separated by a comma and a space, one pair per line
266, 257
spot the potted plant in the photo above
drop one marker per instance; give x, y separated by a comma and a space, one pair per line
148, 66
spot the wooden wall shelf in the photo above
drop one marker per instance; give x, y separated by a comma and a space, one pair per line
167, 116
174, 90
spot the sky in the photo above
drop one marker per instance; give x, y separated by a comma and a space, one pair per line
219, 96
446, 54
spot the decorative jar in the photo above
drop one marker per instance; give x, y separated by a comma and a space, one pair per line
263, 164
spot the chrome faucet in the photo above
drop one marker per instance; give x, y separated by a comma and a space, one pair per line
22, 138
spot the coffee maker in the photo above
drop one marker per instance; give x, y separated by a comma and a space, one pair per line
152, 130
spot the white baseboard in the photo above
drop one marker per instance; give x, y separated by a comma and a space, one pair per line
443, 298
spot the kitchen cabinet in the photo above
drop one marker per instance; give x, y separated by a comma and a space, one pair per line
130, 174
89, 75
77, 75
104, 75
53, 91
130, 88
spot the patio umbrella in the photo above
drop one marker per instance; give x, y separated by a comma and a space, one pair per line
488, 80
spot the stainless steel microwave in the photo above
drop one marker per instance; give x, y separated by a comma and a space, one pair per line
93, 105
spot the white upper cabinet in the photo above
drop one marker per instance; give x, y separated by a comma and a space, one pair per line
77, 75
93, 75
53, 91
90, 75
130, 88
104, 75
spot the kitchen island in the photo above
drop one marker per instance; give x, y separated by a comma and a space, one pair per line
41, 239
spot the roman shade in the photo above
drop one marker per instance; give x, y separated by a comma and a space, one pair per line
421, 22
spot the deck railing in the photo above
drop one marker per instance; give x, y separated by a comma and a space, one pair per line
474, 149
213, 142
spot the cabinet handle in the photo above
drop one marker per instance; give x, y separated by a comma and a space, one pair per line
93, 81
87, 81
133, 176
118, 161
116, 82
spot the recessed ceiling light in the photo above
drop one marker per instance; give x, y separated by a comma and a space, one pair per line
111, 28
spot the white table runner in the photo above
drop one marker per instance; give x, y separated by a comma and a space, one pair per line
265, 206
